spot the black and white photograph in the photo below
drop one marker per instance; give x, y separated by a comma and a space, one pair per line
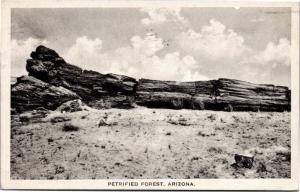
169, 94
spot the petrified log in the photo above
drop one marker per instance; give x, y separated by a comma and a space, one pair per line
166, 86
245, 96
29, 93
242, 161
110, 90
169, 100
221, 94
91, 86
175, 95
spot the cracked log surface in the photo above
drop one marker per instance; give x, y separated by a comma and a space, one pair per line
29, 93
47, 69
221, 94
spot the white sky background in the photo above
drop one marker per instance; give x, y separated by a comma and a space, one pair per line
188, 44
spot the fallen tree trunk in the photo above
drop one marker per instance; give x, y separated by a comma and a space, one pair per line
29, 93
110, 90
221, 94
91, 86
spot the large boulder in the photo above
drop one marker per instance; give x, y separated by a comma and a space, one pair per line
29, 93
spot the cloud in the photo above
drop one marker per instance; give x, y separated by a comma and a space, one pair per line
257, 20
149, 45
214, 41
222, 52
217, 48
162, 15
212, 52
20, 52
273, 55
271, 65
172, 66
86, 53
140, 59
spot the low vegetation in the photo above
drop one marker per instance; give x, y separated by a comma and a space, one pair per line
70, 127
146, 143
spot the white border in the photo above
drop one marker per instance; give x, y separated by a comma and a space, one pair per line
201, 184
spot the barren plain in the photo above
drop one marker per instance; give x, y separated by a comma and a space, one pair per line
144, 143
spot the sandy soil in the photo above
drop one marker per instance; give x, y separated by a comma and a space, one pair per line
149, 143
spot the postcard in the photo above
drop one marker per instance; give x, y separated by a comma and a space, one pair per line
149, 95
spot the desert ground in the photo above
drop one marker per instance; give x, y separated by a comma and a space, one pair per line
143, 143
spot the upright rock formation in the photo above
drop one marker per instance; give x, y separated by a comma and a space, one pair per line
59, 82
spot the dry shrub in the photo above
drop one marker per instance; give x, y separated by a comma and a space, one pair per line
206, 172
217, 150
178, 121
222, 120
212, 117
201, 134
70, 127
236, 119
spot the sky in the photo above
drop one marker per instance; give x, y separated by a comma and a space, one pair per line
180, 44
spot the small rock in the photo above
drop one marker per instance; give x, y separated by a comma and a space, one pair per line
102, 123
59, 119
71, 106
243, 161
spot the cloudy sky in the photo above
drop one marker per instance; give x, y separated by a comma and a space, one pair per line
181, 44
